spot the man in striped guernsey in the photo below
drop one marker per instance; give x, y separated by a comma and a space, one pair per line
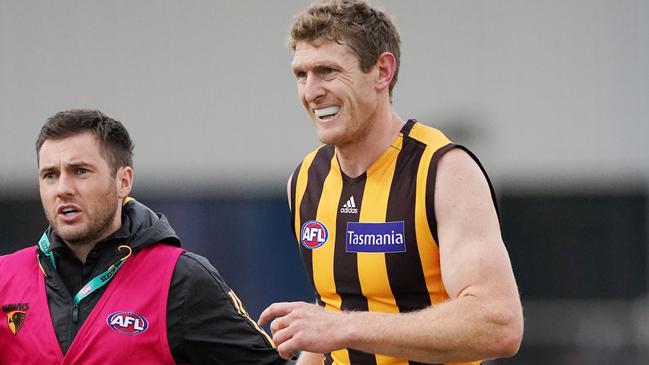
397, 226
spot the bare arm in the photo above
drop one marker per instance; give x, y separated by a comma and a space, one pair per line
310, 358
482, 318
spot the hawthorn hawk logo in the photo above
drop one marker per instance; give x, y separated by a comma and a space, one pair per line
16, 314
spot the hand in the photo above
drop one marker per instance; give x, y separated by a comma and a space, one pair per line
303, 326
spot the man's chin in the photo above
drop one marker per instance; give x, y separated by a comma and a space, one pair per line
327, 137
72, 236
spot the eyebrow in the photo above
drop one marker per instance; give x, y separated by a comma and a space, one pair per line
47, 169
72, 165
314, 66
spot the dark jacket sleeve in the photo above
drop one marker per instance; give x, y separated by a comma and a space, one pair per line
206, 323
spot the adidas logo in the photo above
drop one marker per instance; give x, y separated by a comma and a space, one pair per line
349, 207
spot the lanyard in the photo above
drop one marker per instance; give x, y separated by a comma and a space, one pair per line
95, 283
44, 244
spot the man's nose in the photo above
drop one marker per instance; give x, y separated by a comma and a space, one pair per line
313, 88
65, 185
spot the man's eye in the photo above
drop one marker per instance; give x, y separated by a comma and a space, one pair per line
300, 76
82, 171
327, 73
48, 176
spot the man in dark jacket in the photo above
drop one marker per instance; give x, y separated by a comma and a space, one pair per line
118, 287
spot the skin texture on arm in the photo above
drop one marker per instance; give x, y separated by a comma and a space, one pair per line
310, 358
482, 318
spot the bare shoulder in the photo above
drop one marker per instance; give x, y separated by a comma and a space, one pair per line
461, 183
457, 163
472, 251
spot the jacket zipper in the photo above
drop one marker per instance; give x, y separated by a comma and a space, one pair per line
73, 324
75, 313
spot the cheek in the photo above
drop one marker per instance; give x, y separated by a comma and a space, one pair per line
48, 203
300, 95
45, 192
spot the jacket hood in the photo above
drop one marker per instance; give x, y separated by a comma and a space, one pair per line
142, 227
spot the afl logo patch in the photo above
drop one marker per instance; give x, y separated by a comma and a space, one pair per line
314, 234
127, 322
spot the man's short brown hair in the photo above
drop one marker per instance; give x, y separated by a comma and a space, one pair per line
116, 144
354, 23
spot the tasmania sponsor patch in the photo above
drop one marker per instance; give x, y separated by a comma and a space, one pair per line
314, 234
16, 314
375, 237
127, 322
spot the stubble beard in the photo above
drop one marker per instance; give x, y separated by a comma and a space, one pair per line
97, 226
340, 135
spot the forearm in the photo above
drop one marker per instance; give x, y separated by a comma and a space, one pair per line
463, 329
310, 358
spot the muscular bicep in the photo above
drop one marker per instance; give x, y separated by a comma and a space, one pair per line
473, 257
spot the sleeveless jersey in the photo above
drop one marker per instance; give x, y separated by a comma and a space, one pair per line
370, 243
127, 326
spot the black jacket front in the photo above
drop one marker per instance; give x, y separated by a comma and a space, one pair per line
203, 326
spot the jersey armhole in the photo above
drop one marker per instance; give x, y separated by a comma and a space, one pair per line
431, 179
292, 207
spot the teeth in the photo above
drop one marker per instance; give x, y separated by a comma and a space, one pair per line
332, 110
68, 210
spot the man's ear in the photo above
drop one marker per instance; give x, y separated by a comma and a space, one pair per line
124, 181
386, 66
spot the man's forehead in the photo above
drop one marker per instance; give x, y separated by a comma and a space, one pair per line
72, 149
307, 53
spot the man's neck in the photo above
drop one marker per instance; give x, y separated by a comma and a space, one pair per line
356, 158
81, 250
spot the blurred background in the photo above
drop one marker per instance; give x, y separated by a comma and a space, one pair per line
553, 96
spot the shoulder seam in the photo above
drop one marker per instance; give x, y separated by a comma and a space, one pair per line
429, 136
190, 256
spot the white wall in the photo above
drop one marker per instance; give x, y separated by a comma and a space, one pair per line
552, 92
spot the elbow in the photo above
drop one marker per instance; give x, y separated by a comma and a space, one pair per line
507, 340
509, 344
